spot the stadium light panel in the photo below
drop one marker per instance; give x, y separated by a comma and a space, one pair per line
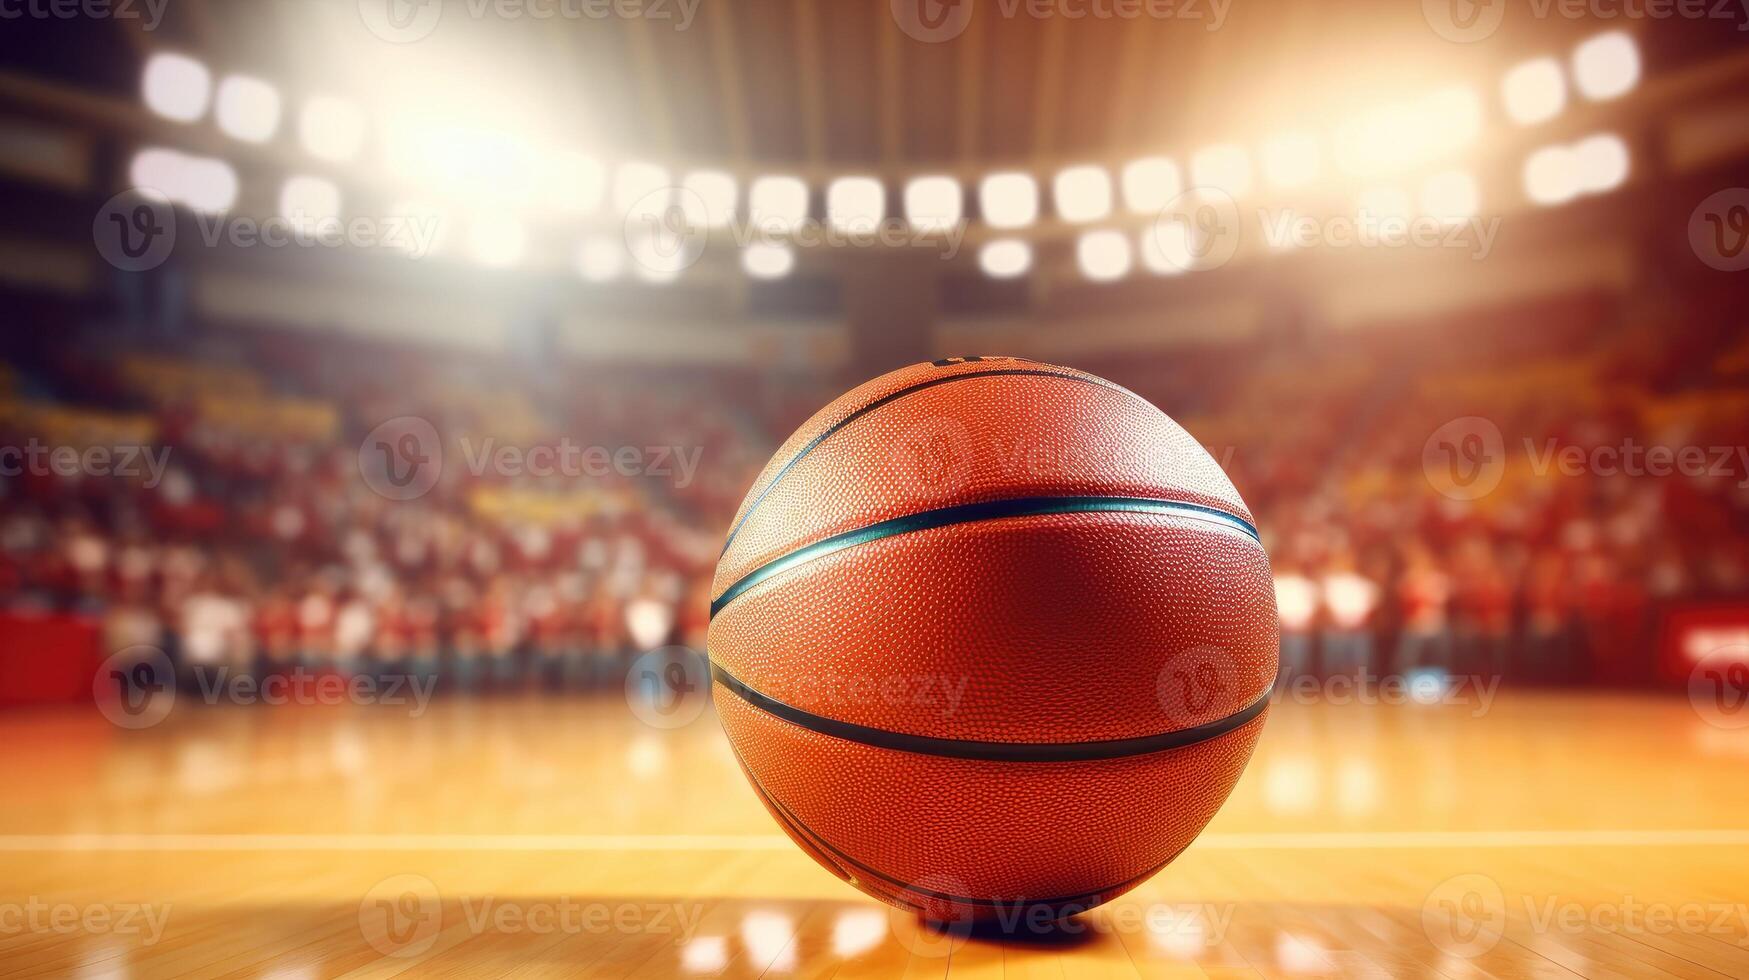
1008, 200
710, 198
176, 87
1149, 184
1005, 258
1551, 175
308, 201
201, 183
1225, 166
1291, 160
1534, 91
1602, 161
1606, 66
855, 203
933, 203
331, 128
601, 258
768, 261
777, 204
1104, 255
1451, 196
1081, 193
497, 240
247, 108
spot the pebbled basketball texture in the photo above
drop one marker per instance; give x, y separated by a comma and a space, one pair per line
992, 633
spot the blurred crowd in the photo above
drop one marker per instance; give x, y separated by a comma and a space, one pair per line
260, 544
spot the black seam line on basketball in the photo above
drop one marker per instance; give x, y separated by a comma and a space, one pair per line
893, 396
789, 817
987, 510
960, 748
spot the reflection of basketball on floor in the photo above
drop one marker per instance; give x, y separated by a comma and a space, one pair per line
1035, 669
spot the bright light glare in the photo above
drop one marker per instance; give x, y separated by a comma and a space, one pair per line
1104, 255
1384, 204
1291, 159
331, 128
1607, 66
247, 108
481, 168
1451, 118
1005, 258
639, 187
1602, 162
1534, 91
1008, 200
1551, 175
601, 258
176, 87
1150, 183
765, 261
777, 205
572, 181
201, 183
1401, 136
933, 203
855, 203
1225, 166
1452, 196
1082, 193
496, 241
307, 202
709, 199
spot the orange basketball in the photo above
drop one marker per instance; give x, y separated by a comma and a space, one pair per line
989, 633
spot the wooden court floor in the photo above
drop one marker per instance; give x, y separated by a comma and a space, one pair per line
1535, 836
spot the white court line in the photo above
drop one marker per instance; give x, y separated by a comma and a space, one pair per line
1385, 840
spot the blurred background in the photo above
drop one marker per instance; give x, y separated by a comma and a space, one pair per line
1453, 292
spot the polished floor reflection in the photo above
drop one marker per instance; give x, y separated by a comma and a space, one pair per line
1517, 835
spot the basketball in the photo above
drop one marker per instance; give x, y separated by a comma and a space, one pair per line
989, 633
